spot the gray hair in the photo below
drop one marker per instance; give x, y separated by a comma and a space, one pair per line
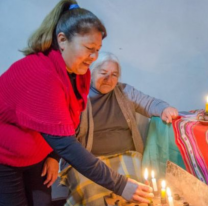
105, 57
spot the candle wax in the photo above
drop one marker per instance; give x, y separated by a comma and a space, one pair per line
154, 184
170, 201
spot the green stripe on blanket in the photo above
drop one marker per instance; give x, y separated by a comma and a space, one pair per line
85, 192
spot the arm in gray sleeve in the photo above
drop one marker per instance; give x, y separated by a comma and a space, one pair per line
86, 163
145, 104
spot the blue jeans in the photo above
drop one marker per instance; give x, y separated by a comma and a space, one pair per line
23, 186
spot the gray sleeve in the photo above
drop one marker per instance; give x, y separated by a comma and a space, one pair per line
144, 104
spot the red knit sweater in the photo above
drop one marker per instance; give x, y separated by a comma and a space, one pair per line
36, 96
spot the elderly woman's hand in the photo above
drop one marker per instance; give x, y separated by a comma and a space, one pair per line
137, 192
50, 169
168, 114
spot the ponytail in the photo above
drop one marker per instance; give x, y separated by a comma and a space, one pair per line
41, 40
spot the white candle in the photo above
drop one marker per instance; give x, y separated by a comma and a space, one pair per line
154, 182
170, 198
146, 176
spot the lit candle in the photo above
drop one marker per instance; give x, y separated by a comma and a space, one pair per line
206, 106
170, 199
163, 192
147, 183
146, 176
154, 183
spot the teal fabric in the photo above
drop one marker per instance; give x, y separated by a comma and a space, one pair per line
160, 147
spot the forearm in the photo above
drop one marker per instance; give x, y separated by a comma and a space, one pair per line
157, 106
145, 104
86, 163
149, 106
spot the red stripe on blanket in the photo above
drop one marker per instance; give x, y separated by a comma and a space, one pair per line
191, 138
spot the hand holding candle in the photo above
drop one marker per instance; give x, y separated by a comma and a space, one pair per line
170, 199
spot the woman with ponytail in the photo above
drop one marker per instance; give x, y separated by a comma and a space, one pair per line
41, 98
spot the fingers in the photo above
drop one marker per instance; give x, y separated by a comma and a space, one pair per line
48, 179
137, 192
44, 170
50, 169
145, 191
51, 178
143, 195
168, 118
173, 112
145, 188
168, 114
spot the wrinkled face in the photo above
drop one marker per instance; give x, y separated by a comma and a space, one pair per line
105, 78
81, 51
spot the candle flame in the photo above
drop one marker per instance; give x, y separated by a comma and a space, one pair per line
146, 174
163, 184
153, 174
168, 192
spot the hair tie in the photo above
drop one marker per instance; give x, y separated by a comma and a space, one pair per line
74, 6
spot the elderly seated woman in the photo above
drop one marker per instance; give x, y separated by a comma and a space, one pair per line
109, 130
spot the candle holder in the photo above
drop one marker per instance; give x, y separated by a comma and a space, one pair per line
206, 116
176, 197
163, 200
151, 203
203, 118
156, 193
117, 203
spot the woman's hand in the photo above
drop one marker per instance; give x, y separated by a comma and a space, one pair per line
50, 169
168, 114
137, 192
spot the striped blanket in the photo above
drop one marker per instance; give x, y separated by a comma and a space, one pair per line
192, 140
84, 192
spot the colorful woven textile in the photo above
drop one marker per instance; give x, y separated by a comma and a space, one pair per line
191, 138
84, 192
